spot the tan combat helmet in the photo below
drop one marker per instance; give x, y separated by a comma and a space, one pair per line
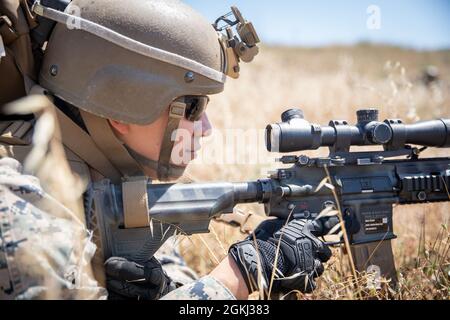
131, 60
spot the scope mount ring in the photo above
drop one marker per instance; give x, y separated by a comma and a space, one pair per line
343, 136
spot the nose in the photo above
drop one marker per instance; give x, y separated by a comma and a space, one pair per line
206, 125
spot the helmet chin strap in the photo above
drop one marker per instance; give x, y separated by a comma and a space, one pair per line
164, 172
164, 169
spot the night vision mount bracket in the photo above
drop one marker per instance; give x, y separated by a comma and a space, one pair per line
242, 46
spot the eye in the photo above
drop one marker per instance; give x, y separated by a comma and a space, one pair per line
195, 107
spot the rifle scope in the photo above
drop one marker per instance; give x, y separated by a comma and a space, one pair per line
295, 133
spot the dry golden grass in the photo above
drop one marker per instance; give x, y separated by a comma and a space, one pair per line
332, 83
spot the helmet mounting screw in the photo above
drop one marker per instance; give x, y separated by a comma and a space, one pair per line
54, 70
189, 77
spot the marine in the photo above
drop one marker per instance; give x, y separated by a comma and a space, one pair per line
105, 97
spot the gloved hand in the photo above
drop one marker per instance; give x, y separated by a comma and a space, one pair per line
299, 261
130, 280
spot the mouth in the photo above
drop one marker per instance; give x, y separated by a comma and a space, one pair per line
192, 152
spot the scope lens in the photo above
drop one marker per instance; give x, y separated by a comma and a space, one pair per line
273, 133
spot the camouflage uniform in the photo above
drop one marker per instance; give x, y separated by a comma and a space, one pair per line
43, 249
206, 288
173, 263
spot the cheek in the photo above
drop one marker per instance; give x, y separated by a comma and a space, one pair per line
147, 139
155, 131
186, 125
185, 129
151, 136
145, 142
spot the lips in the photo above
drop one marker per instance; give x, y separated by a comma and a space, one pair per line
193, 150
193, 153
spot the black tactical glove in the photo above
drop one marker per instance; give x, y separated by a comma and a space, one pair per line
130, 280
299, 259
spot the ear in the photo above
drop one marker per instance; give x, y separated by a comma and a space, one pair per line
121, 128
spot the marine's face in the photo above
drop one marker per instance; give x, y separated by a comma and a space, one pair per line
147, 139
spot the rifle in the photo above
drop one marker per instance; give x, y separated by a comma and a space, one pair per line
366, 186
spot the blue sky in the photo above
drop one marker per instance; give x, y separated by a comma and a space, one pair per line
420, 24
